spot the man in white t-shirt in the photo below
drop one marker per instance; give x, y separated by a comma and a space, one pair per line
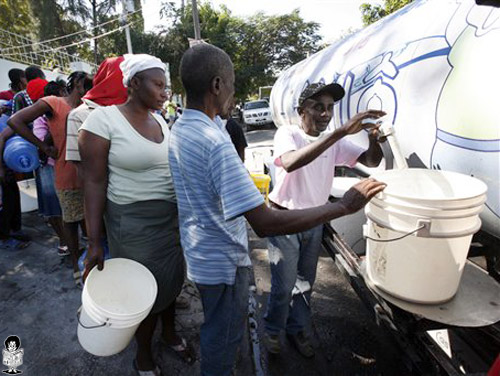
305, 160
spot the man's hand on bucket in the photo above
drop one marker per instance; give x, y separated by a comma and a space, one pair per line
360, 194
95, 256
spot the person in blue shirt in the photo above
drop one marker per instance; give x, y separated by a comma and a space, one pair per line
214, 196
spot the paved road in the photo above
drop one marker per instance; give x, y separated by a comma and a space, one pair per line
38, 303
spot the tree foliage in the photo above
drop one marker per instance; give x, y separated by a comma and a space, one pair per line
372, 13
56, 18
260, 46
16, 17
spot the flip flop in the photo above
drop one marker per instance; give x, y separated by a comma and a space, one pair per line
154, 372
62, 250
182, 350
12, 243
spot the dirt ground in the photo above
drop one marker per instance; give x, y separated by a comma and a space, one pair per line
38, 303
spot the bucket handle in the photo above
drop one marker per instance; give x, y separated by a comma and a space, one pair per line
88, 327
422, 231
394, 239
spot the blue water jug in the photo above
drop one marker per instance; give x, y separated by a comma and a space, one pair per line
20, 155
3, 121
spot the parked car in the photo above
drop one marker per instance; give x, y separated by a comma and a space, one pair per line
257, 114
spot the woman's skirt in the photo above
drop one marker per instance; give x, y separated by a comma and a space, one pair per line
48, 203
148, 232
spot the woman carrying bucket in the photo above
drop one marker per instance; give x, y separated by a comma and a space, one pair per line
124, 151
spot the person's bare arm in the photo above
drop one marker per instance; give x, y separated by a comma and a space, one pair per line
19, 124
296, 159
94, 151
269, 222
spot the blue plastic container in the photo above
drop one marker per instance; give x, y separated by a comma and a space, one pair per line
20, 155
3, 121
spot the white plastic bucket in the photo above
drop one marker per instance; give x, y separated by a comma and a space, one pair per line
431, 188
114, 302
27, 190
419, 232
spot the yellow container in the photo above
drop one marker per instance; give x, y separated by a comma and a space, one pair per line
262, 182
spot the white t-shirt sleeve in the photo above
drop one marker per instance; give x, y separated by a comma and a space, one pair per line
283, 143
98, 123
347, 153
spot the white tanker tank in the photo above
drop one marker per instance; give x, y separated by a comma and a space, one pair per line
433, 66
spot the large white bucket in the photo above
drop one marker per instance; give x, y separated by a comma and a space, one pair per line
114, 302
419, 232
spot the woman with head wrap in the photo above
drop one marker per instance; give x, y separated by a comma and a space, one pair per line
67, 184
124, 152
107, 90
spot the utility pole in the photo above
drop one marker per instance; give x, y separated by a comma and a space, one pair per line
196, 21
127, 7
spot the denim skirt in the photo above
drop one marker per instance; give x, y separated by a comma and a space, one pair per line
48, 203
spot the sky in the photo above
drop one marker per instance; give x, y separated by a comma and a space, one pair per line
334, 16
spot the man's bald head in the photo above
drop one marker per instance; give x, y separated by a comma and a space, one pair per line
200, 64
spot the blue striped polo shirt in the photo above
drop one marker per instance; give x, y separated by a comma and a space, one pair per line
213, 190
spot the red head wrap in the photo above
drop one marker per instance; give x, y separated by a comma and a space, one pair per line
108, 86
35, 88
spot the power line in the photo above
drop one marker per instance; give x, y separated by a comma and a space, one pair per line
69, 35
86, 40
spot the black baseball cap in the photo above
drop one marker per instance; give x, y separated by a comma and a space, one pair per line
335, 90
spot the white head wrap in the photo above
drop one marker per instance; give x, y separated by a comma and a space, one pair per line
134, 64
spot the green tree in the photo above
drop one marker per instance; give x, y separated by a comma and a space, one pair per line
260, 46
372, 13
58, 18
16, 17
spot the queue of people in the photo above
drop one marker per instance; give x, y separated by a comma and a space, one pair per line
167, 198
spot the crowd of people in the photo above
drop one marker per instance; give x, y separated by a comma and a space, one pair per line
171, 193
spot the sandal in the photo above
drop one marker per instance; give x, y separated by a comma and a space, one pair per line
182, 350
154, 372
62, 250
12, 243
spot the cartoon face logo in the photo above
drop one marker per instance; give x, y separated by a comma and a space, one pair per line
12, 355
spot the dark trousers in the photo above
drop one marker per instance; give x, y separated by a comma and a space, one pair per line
225, 309
10, 215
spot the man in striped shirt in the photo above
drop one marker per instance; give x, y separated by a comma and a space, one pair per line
214, 194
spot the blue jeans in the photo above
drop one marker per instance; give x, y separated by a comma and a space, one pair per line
291, 257
225, 308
